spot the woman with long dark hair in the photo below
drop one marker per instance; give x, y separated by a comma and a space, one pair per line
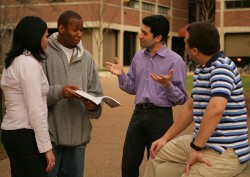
25, 133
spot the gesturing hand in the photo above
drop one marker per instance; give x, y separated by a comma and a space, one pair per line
115, 68
164, 80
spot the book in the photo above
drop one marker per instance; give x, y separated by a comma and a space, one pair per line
111, 102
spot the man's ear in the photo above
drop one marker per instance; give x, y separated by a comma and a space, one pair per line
61, 29
194, 51
158, 38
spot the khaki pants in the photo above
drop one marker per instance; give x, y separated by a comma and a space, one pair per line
177, 150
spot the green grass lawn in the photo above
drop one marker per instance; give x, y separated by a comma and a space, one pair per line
246, 85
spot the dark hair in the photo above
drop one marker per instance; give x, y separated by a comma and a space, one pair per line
66, 16
27, 36
204, 36
158, 24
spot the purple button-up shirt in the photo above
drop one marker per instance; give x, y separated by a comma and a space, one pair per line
138, 81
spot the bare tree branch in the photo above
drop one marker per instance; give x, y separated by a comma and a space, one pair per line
102, 27
10, 14
207, 10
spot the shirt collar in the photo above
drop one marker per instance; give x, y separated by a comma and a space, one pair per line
220, 54
162, 52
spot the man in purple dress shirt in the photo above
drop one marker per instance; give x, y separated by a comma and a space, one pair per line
157, 78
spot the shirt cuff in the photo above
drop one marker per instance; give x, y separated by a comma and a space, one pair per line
170, 88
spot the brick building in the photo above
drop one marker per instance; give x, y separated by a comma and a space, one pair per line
233, 22
111, 27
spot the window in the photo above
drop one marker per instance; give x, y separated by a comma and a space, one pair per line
234, 4
131, 3
163, 10
148, 7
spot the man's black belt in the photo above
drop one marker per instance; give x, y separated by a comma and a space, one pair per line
147, 105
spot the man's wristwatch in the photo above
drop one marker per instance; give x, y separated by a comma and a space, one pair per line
197, 148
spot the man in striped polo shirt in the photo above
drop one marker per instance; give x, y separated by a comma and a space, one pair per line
219, 144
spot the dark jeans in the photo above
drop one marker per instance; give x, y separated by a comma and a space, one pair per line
69, 162
25, 159
147, 125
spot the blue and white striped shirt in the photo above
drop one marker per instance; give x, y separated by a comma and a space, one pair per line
220, 77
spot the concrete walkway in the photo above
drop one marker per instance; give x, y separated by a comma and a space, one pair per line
104, 153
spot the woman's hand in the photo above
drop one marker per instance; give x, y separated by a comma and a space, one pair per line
50, 159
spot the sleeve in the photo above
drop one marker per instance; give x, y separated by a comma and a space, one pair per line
31, 77
127, 81
176, 92
55, 92
222, 81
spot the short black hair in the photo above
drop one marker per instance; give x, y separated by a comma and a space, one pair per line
204, 36
27, 36
158, 24
66, 16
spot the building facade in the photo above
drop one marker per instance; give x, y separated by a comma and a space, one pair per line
112, 27
233, 22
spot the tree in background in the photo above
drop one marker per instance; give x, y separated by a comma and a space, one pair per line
9, 16
99, 27
207, 11
202, 10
